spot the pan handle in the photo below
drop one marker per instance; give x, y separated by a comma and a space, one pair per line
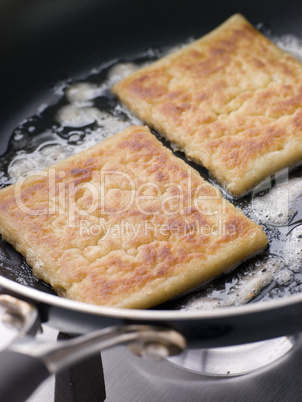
20, 375
28, 361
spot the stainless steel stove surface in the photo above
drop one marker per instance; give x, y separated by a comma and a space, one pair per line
129, 378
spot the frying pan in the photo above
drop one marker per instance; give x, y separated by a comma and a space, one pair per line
43, 43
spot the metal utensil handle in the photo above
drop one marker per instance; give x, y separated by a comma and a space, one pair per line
27, 361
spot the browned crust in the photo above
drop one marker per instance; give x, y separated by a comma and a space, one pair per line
232, 101
46, 217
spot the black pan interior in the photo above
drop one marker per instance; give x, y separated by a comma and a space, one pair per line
48, 42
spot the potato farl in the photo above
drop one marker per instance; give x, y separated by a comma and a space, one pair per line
125, 224
232, 101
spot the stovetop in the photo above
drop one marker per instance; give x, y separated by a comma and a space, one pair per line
129, 378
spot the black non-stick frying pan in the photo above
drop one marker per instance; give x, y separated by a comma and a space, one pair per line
43, 43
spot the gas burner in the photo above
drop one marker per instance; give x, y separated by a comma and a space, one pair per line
235, 360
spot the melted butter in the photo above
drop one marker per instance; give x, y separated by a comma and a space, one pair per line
280, 204
241, 287
293, 250
120, 71
290, 44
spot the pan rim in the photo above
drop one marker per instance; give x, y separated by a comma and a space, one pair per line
136, 314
